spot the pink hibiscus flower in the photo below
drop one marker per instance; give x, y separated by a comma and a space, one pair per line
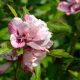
69, 6
33, 35
31, 32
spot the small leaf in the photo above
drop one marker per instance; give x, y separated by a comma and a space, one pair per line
5, 47
77, 46
45, 62
19, 51
67, 62
25, 10
24, 1
74, 73
33, 77
38, 72
59, 39
42, 10
2, 34
59, 27
12, 10
60, 53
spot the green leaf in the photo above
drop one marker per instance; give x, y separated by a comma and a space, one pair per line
59, 39
60, 53
12, 10
74, 73
2, 34
42, 10
24, 1
5, 47
56, 16
20, 51
78, 24
38, 72
46, 78
25, 10
67, 62
45, 62
77, 46
10, 0
36, 75
59, 27
33, 77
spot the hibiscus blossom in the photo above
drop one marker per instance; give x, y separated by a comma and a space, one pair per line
31, 32
69, 6
33, 36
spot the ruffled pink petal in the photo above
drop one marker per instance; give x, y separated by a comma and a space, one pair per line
31, 33
30, 18
22, 29
14, 24
16, 21
26, 17
37, 29
39, 54
15, 43
42, 34
35, 46
12, 28
28, 61
75, 8
78, 1
37, 33
74, 1
48, 45
4, 67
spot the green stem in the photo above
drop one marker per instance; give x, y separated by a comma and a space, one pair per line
73, 43
75, 35
16, 71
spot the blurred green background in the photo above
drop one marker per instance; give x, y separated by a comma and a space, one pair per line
63, 60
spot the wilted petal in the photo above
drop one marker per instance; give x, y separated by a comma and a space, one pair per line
4, 67
12, 55
31, 58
